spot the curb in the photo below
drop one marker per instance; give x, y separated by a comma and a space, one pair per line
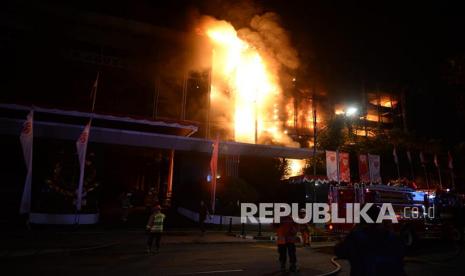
36, 252
335, 271
213, 242
256, 238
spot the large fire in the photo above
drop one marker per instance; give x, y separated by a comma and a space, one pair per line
249, 92
295, 167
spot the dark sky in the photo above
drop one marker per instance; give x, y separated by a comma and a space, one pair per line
380, 42
390, 44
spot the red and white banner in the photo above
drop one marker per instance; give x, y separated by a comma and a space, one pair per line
363, 168
27, 137
374, 162
81, 146
331, 165
344, 167
214, 170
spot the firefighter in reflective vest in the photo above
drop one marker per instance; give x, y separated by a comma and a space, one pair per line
155, 229
286, 232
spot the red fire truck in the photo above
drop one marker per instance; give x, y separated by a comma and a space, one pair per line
411, 207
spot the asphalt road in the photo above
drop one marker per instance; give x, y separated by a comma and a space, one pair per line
173, 259
436, 257
129, 258
429, 257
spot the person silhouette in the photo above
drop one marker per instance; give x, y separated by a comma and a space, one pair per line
372, 249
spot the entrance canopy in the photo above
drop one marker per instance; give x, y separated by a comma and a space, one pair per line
118, 130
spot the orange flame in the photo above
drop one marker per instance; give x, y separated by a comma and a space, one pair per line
295, 167
240, 73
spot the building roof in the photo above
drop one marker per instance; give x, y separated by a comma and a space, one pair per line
57, 117
111, 129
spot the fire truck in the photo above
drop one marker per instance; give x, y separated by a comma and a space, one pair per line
420, 213
412, 207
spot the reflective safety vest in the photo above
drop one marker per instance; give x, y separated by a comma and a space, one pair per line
156, 223
286, 232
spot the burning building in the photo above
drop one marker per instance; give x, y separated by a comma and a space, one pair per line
377, 112
246, 89
217, 80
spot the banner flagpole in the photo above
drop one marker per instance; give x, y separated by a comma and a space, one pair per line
314, 131
451, 168
27, 139
436, 163
409, 157
423, 164
338, 168
94, 92
214, 170
81, 146
396, 160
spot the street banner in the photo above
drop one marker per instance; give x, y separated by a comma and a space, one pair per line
331, 165
81, 146
344, 167
394, 154
422, 159
214, 170
450, 161
436, 163
363, 169
26, 138
375, 168
409, 157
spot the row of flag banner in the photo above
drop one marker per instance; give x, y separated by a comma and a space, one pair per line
27, 141
338, 167
423, 161
337, 164
369, 165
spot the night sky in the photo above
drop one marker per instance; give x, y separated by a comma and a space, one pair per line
391, 46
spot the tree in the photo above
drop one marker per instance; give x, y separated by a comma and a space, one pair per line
333, 136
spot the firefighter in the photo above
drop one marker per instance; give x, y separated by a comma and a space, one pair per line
286, 232
304, 230
155, 229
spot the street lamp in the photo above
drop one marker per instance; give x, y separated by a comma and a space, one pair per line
351, 111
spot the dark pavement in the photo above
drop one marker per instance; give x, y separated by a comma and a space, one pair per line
129, 258
122, 252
